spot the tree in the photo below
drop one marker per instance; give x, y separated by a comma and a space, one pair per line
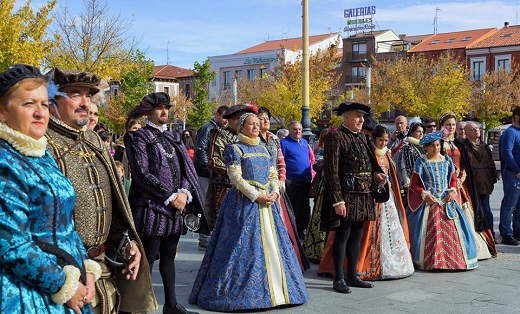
133, 86
201, 111
281, 91
22, 33
494, 96
92, 41
421, 86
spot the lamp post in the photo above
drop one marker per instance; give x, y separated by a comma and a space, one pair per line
306, 120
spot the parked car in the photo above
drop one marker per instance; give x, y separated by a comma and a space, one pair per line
493, 138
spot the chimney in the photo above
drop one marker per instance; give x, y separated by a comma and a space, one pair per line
506, 24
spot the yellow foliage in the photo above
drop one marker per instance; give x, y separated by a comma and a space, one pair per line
22, 33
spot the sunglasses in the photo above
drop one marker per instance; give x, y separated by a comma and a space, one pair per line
431, 126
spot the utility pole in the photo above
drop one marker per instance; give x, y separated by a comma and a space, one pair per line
306, 120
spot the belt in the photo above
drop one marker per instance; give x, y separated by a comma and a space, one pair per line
95, 251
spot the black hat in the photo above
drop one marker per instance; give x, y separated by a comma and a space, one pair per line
15, 74
369, 123
239, 109
352, 106
68, 78
149, 102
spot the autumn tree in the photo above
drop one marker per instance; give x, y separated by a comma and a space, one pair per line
134, 84
91, 40
281, 91
494, 96
421, 86
201, 110
22, 33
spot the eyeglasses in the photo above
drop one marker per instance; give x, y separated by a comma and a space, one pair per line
431, 126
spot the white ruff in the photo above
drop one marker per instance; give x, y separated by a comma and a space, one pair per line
26, 145
381, 152
248, 140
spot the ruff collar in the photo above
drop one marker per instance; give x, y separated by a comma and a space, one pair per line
247, 140
412, 140
161, 128
381, 152
24, 144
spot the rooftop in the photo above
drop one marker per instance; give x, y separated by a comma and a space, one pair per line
170, 72
506, 36
453, 40
287, 43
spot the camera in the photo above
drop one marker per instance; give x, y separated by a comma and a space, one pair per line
401, 135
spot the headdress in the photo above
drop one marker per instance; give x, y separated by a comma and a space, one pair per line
149, 102
243, 118
236, 109
15, 74
431, 137
352, 106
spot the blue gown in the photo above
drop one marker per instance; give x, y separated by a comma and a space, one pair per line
440, 235
249, 262
36, 203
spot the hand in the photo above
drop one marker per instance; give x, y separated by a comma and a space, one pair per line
265, 199
281, 185
379, 176
394, 136
341, 210
134, 261
450, 197
274, 196
91, 288
77, 302
429, 199
517, 176
179, 202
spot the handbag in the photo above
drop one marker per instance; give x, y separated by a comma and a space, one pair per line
381, 191
347, 183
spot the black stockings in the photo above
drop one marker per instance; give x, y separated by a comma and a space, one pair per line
347, 242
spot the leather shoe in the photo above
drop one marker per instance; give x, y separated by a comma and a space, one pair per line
177, 309
340, 286
357, 282
509, 240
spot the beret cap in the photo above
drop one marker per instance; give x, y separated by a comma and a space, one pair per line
343, 107
15, 74
236, 109
70, 78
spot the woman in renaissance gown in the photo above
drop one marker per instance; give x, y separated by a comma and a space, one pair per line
385, 244
467, 195
272, 143
440, 234
250, 262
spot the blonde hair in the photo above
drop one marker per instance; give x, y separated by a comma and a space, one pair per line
29, 84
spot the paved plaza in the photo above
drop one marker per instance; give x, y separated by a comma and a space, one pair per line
494, 287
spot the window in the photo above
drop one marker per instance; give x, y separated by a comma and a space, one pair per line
358, 72
166, 89
187, 90
227, 79
238, 74
450, 40
503, 61
434, 42
262, 72
359, 48
478, 69
251, 75
466, 38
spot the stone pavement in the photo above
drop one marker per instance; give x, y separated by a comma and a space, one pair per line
491, 288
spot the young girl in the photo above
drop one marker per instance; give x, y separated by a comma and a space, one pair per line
440, 235
384, 252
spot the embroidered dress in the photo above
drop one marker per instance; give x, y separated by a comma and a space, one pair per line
440, 235
384, 250
249, 262
464, 200
37, 202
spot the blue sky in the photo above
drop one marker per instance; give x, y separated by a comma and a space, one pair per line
197, 29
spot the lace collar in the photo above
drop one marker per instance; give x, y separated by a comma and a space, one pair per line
64, 125
381, 152
26, 145
247, 140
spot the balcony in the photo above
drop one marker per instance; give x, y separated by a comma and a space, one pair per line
355, 57
354, 80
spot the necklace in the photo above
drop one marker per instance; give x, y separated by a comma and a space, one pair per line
75, 149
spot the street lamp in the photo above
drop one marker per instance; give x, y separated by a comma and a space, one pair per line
306, 120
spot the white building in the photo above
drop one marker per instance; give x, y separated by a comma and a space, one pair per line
257, 60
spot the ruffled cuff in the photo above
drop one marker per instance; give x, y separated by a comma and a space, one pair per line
91, 266
424, 193
170, 199
281, 185
338, 203
452, 189
70, 286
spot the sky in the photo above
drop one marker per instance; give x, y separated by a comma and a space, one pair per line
180, 32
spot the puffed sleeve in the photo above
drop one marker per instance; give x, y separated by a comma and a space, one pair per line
331, 166
232, 157
18, 253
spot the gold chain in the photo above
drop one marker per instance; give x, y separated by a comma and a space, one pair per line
66, 150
